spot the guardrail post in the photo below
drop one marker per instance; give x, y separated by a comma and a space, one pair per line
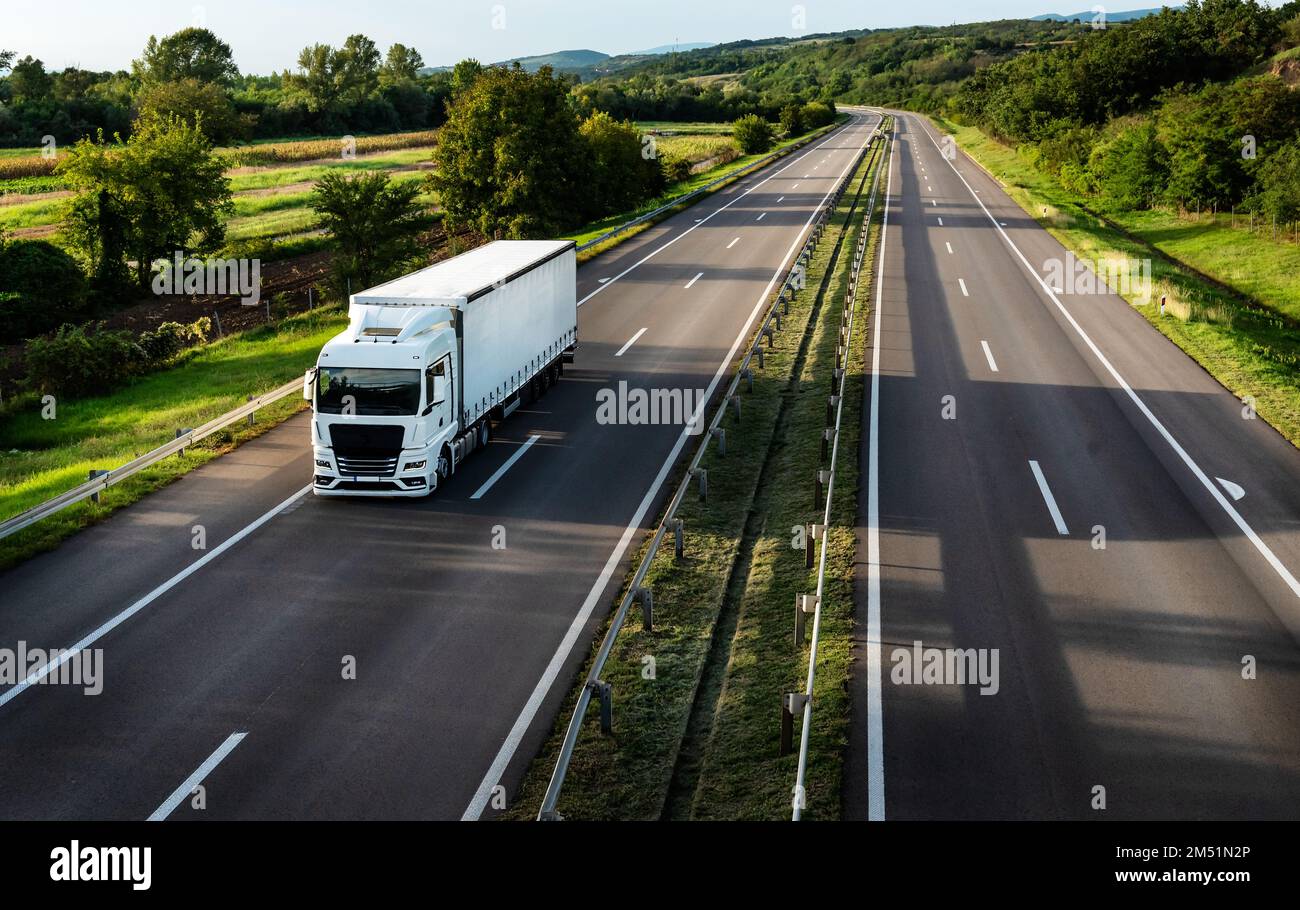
748, 374
791, 702
826, 442
758, 349
832, 402
735, 401
679, 538
804, 604
95, 472
181, 431
250, 416
720, 435
646, 598
823, 478
702, 475
605, 693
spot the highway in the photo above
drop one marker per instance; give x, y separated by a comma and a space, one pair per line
227, 666
980, 523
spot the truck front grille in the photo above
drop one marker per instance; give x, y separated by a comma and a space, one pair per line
368, 466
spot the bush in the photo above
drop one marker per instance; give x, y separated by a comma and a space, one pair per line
42, 286
753, 134
83, 360
676, 169
170, 338
818, 114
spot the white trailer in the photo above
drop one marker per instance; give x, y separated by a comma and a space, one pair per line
429, 360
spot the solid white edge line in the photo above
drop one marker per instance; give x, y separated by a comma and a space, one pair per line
178, 795
692, 281
13, 691
655, 252
509, 463
993, 365
631, 341
1264, 549
1049, 499
875, 709
529, 711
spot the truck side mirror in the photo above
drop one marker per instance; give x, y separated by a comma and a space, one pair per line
309, 384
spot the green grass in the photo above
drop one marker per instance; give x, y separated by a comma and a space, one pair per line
271, 176
41, 458
723, 129
631, 774
1251, 351
38, 213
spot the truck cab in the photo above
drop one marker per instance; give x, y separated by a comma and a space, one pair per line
385, 403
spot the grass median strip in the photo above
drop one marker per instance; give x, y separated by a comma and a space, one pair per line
741, 775
657, 676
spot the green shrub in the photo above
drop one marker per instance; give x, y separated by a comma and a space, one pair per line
170, 338
83, 360
753, 134
43, 288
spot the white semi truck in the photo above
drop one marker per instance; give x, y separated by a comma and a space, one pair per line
429, 360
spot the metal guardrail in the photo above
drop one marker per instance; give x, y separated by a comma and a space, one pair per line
636, 593
794, 701
102, 480
708, 187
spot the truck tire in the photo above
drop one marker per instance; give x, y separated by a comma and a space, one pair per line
484, 433
442, 467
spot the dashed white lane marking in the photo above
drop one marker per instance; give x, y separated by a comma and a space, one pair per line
185, 789
964, 292
760, 217
693, 280
733, 243
631, 341
1049, 499
501, 471
949, 246
988, 355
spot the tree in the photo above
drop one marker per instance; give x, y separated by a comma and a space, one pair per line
42, 286
191, 53
197, 102
6, 59
622, 177
332, 77
1131, 168
401, 65
163, 190
28, 80
373, 223
792, 122
463, 74
510, 160
753, 134
1278, 193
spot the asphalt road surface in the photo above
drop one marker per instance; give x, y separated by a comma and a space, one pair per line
227, 665
1070, 419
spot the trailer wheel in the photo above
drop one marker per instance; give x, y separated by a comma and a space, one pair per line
484, 433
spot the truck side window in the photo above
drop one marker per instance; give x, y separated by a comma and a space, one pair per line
439, 370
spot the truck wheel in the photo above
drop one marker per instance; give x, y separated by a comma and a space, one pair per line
484, 434
442, 467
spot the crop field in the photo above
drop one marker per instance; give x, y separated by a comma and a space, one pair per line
272, 181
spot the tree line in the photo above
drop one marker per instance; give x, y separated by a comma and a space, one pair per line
1174, 109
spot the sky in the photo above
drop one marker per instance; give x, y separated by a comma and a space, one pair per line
266, 35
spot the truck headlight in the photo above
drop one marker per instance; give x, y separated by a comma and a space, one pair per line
415, 465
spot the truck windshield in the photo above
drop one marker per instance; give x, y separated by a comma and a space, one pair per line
368, 391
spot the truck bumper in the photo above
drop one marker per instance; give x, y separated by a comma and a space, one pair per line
327, 481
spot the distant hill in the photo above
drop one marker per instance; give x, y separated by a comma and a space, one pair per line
670, 48
1124, 16
560, 60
